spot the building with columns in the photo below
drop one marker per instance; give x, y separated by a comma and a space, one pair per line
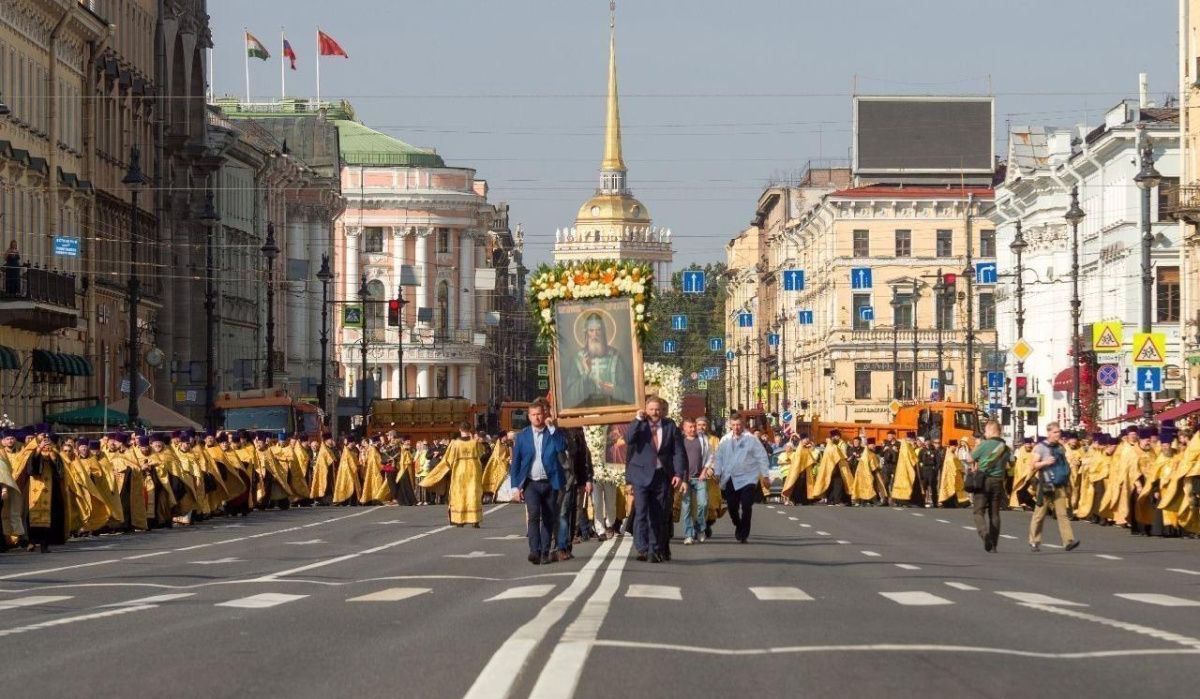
613, 224
1185, 202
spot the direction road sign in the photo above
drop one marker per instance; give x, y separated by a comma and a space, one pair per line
866, 313
1021, 350
66, 246
745, 320
142, 385
1149, 349
934, 383
716, 344
860, 277
693, 281
669, 346
772, 339
804, 317
679, 322
995, 379
985, 273
730, 356
1108, 375
793, 280
1107, 336
787, 416
1149, 379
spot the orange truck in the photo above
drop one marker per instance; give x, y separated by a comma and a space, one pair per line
944, 420
268, 410
421, 418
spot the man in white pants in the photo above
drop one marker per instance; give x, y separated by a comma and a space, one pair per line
604, 507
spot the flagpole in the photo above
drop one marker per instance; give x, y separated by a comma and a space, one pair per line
317, 58
246, 62
282, 58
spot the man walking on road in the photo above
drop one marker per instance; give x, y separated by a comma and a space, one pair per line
740, 464
694, 507
654, 466
990, 457
1053, 475
536, 476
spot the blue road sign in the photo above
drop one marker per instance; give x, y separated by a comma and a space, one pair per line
730, 356
65, 246
995, 379
1149, 379
679, 322
995, 407
787, 416
793, 280
860, 278
866, 313
1108, 375
804, 317
716, 344
669, 346
934, 384
985, 273
693, 281
745, 320
772, 339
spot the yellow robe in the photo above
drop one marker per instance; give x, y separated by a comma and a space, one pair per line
1023, 476
322, 473
497, 468
1170, 483
232, 473
127, 475
950, 483
1094, 470
265, 463
462, 462
89, 505
1075, 462
347, 484
39, 496
799, 466
834, 457
1144, 476
864, 486
906, 473
374, 488
12, 526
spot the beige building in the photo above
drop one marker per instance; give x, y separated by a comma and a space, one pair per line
1186, 202
743, 256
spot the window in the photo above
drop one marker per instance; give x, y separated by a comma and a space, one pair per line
862, 244
373, 240
987, 243
373, 315
945, 311
862, 384
945, 244
904, 385
902, 312
1166, 289
443, 306
861, 301
1168, 198
903, 243
987, 312
443, 240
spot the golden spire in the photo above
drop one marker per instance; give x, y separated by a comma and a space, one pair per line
612, 129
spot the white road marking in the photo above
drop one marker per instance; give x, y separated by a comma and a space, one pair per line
842, 541
231, 526
822, 533
1039, 599
944, 521
1053, 546
156, 599
917, 514
522, 592
916, 599
1160, 634
140, 556
1185, 571
31, 573
806, 526
30, 601
1007, 536
968, 528
497, 678
780, 594
262, 601
871, 554
72, 619
310, 542
907, 566
654, 592
217, 561
962, 586
506, 537
102, 547
273, 532
1159, 600
473, 554
921, 648
392, 521
352, 556
794, 519
393, 594
780, 512
1109, 557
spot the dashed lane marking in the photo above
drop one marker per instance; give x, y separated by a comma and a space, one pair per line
842, 541
1039, 599
806, 526
961, 586
907, 566
117, 611
780, 594
1109, 557
794, 519
916, 599
668, 592
822, 533
262, 601
1185, 571
944, 521
870, 554
392, 594
1158, 600
217, 561
523, 592
156, 599
1007, 536
35, 601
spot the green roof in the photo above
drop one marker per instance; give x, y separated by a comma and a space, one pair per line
361, 145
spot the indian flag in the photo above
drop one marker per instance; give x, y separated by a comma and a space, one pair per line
255, 48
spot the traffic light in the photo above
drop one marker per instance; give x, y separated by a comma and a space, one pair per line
1022, 383
949, 279
394, 312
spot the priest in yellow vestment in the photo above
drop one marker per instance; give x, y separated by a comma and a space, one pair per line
462, 461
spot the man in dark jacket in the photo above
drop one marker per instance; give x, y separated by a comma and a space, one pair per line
578, 472
929, 460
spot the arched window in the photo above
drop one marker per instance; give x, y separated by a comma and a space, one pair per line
442, 321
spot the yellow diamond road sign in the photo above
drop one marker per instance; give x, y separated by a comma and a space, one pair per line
1149, 349
895, 406
1022, 350
1107, 336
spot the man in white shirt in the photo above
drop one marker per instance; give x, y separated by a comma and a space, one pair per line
741, 462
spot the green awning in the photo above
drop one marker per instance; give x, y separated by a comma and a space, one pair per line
74, 367
42, 361
9, 358
91, 416
85, 366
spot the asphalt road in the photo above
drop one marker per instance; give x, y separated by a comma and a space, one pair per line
392, 601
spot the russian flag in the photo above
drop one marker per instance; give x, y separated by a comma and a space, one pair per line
288, 53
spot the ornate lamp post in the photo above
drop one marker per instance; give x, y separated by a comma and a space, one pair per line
134, 179
895, 302
1018, 247
210, 219
1074, 216
270, 251
364, 296
1147, 179
324, 275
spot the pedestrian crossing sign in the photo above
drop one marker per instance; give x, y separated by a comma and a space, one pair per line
1107, 336
1149, 349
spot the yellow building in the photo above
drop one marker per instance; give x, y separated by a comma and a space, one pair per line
864, 251
1185, 202
743, 256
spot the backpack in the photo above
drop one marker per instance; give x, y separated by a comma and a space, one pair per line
1059, 473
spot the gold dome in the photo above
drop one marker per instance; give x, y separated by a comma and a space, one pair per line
612, 208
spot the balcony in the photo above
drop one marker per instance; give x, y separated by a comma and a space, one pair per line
1182, 202
38, 300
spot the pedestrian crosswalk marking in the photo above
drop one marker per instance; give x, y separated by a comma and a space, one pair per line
1185, 571
1036, 598
1109, 557
156, 599
654, 592
870, 554
263, 601
392, 594
806, 526
794, 519
523, 592
35, 601
907, 566
962, 586
916, 599
780, 594
1158, 600
473, 554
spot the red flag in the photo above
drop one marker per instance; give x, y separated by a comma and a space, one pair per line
328, 47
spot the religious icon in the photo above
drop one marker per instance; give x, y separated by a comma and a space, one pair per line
597, 361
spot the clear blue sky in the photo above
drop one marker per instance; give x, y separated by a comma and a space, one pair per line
718, 97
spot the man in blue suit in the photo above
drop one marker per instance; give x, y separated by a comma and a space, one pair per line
536, 475
655, 467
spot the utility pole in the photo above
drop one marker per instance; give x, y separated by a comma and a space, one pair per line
969, 273
1018, 247
1147, 179
1074, 216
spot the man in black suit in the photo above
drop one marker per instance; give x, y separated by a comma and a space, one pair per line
655, 467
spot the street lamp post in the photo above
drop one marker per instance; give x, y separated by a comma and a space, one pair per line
364, 296
1147, 179
940, 290
211, 219
1018, 247
969, 273
782, 352
270, 250
134, 179
1074, 217
324, 275
895, 345
913, 305
746, 372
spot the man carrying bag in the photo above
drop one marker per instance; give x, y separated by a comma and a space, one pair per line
985, 482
